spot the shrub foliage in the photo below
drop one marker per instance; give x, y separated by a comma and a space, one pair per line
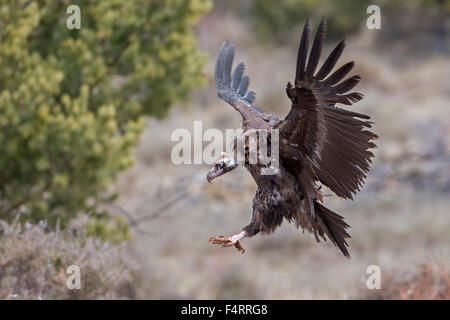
34, 264
72, 102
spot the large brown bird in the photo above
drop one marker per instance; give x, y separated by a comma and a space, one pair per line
319, 143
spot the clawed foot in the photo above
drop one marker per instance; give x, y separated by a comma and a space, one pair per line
229, 241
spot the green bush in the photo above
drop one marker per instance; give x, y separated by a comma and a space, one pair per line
73, 102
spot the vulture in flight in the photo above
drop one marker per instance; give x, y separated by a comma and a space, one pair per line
319, 144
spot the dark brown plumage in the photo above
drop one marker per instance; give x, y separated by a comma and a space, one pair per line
318, 143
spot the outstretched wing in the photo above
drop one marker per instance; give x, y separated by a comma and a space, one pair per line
233, 87
325, 143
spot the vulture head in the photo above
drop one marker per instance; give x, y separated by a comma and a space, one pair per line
224, 164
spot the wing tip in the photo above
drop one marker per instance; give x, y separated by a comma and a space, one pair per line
303, 51
224, 63
316, 50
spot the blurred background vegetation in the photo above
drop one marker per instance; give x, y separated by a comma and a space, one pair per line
85, 123
280, 21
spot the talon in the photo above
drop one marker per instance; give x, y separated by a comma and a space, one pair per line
227, 242
239, 247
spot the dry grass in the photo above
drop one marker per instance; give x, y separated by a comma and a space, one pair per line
428, 281
33, 265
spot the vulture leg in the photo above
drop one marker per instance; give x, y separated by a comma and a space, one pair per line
230, 241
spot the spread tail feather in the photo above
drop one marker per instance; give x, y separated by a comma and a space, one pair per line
334, 227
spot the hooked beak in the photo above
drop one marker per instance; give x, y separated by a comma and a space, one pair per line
213, 174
